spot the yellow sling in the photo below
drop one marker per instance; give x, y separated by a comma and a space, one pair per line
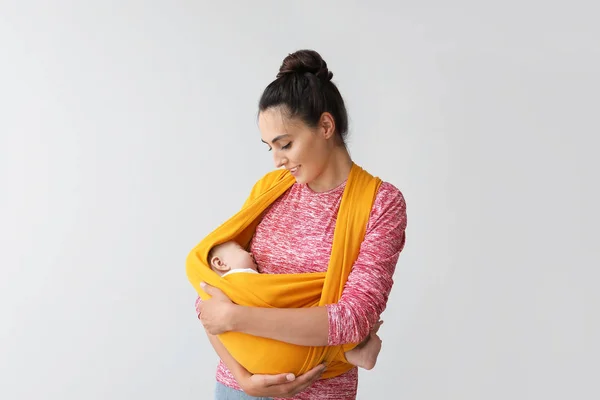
266, 356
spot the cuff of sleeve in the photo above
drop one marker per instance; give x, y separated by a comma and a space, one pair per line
197, 305
335, 329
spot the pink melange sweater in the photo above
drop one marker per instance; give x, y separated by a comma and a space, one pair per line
295, 236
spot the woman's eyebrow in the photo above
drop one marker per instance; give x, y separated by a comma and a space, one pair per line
276, 139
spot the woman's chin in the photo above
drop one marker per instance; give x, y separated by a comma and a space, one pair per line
299, 179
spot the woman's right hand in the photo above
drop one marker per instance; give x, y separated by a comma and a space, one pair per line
282, 385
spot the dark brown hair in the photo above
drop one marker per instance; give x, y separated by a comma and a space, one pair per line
303, 87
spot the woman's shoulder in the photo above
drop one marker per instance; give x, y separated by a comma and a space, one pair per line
389, 194
389, 206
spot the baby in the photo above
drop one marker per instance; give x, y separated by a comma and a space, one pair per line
229, 257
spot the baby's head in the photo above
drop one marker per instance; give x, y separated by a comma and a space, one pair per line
230, 255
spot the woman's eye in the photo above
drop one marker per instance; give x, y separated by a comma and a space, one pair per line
287, 146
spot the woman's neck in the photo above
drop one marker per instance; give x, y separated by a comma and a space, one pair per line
336, 171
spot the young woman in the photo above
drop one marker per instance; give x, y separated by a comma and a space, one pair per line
303, 122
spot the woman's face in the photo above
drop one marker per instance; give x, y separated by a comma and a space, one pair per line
302, 150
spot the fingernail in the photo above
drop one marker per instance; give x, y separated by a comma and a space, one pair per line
290, 377
202, 285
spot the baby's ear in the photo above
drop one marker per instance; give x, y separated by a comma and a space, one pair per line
219, 265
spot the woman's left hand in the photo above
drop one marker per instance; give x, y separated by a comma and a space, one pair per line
216, 313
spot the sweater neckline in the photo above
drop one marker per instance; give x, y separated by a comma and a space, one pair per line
334, 190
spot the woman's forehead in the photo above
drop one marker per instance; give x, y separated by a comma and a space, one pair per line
274, 126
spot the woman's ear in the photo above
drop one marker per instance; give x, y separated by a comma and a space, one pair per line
327, 125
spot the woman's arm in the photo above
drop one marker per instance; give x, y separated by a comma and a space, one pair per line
301, 326
239, 373
364, 297
280, 385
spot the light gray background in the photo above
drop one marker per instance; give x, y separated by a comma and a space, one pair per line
128, 132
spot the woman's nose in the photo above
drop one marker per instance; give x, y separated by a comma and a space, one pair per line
279, 161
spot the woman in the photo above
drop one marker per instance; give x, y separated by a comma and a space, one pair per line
303, 122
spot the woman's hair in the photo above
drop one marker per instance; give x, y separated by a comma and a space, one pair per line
304, 90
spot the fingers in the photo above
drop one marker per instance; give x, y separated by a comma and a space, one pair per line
307, 379
271, 380
207, 288
376, 327
286, 385
311, 375
214, 292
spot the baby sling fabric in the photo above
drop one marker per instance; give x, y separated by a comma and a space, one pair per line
267, 356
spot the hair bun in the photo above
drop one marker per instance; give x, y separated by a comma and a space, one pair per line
305, 61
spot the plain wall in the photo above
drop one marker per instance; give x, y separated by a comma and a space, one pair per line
128, 132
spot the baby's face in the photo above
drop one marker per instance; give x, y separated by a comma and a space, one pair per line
235, 257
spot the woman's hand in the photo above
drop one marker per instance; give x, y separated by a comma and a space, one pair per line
372, 335
216, 313
282, 385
